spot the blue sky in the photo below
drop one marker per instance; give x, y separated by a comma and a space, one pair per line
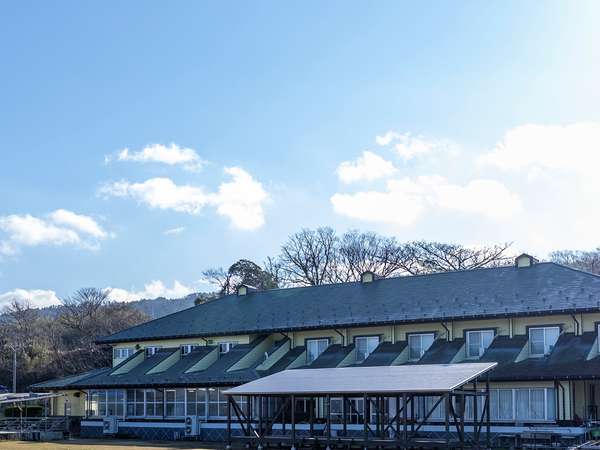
246, 121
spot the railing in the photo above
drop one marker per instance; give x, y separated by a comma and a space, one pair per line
33, 424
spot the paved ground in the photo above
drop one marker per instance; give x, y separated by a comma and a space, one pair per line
104, 444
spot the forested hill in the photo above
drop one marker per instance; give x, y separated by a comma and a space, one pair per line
151, 307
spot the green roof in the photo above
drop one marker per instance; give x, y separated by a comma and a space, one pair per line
544, 288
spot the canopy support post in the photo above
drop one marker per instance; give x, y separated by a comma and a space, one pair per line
293, 418
488, 442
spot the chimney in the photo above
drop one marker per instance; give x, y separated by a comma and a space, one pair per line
525, 260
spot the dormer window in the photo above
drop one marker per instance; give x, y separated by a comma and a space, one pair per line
225, 347
418, 344
245, 289
365, 345
542, 340
367, 277
151, 350
186, 349
314, 348
478, 341
122, 352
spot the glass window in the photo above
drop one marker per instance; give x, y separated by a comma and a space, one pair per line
135, 402
314, 347
217, 403
187, 349
542, 340
501, 404
225, 347
122, 353
196, 402
535, 404
94, 400
175, 402
418, 344
151, 350
365, 346
154, 403
354, 410
113, 403
478, 342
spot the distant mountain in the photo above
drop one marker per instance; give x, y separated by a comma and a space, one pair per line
153, 307
158, 307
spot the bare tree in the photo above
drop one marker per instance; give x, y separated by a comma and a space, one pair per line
579, 259
219, 277
309, 257
313, 257
428, 257
367, 251
82, 307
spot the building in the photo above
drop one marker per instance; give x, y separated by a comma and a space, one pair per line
538, 321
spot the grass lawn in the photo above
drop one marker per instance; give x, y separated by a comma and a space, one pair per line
101, 444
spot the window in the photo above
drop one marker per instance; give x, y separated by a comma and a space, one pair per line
196, 402
187, 349
175, 402
424, 406
365, 346
151, 350
542, 340
535, 404
418, 345
217, 403
478, 342
122, 352
135, 402
109, 402
501, 404
154, 403
354, 410
225, 347
314, 347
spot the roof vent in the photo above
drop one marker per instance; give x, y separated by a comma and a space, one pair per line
245, 289
368, 277
525, 260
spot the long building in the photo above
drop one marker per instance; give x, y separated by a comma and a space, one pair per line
538, 321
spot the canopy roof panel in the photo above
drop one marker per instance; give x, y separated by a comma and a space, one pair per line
424, 378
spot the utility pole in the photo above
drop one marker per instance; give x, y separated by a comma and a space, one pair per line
14, 349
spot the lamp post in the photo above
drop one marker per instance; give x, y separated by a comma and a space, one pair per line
14, 349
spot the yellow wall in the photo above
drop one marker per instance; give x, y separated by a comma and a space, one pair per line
74, 399
173, 343
503, 326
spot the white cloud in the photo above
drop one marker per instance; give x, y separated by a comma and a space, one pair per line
409, 146
79, 222
537, 187
37, 298
406, 200
368, 167
241, 199
173, 231
155, 288
574, 148
387, 138
62, 227
171, 155
161, 193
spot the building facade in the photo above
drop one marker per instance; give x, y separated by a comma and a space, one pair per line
538, 321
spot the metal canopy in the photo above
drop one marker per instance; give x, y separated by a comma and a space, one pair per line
422, 378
